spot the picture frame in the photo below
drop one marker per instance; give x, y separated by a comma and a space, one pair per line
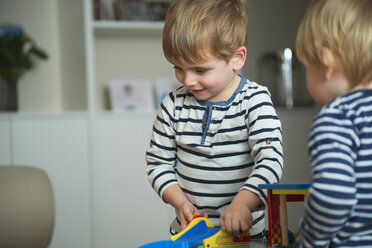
131, 95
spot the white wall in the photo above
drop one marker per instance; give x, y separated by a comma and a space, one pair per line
38, 18
124, 54
72, 56
56, 84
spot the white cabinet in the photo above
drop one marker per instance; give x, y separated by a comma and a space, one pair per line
128, 213
97, 170
59, 145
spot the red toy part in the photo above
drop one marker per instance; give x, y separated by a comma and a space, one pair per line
197, 216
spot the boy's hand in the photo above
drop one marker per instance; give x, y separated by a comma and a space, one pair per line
177, 198
236, 219
187, 211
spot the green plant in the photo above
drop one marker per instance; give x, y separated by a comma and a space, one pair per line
18, 52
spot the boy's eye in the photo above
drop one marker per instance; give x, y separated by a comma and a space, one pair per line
200, 70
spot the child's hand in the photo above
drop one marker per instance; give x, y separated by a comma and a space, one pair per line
236, 219
177, 198
187, 211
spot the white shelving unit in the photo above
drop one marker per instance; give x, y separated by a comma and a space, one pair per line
128, 25
118, 185
119, 40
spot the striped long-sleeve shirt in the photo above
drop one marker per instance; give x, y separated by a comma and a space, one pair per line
338, 211
213, 150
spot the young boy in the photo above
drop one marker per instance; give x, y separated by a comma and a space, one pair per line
218, 137
334, 42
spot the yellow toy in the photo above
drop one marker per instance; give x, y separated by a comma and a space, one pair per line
200, 233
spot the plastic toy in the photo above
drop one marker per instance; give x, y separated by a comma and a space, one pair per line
200, 233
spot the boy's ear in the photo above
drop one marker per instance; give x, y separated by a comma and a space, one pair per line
329, 62
238, 58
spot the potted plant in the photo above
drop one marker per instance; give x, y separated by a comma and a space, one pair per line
18, 52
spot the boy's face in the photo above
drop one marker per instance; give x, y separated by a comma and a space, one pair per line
212, 80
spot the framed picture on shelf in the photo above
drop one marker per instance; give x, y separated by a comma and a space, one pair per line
131, 95
157, 10
134, 10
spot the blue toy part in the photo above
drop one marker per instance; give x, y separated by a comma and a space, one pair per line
192, 237
195, 235
291, 237
166, 244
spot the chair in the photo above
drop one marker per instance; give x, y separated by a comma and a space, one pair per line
26, 207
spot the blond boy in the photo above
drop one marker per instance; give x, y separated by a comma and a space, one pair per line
218, 137
334, 41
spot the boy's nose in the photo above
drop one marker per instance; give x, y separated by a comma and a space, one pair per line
189, 80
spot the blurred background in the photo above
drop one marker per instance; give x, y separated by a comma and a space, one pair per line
95, 156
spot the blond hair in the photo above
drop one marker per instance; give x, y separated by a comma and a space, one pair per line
345, 28
194, 29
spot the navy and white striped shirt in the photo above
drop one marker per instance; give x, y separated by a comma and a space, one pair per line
212, 150
338, 211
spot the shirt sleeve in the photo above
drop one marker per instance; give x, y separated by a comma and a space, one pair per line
333, 143
265, 140
161, 155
